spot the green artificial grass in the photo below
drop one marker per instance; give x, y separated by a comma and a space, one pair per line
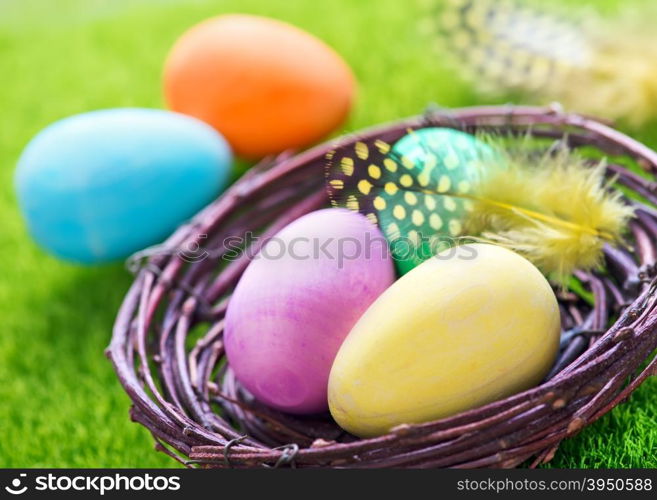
60, 403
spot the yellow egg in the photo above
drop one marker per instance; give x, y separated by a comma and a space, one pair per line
470, 326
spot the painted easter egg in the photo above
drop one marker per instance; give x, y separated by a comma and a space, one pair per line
265, 85
416, 189
471, 325
444, 160
297, 301
99, 186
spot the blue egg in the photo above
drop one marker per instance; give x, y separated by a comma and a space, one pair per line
99, 186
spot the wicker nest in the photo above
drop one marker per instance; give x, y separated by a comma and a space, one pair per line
167, 343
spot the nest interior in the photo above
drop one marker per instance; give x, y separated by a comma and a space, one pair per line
167, 342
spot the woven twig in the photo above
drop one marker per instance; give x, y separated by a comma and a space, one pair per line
187, 396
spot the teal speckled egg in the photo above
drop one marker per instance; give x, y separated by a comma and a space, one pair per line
444, 160
99, 186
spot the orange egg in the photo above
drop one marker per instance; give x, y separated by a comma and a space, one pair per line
265, 85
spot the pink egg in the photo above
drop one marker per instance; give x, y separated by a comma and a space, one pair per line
298, 300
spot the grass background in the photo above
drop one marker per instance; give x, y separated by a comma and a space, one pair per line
60, 404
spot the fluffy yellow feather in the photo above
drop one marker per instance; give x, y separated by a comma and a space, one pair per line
554, 208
